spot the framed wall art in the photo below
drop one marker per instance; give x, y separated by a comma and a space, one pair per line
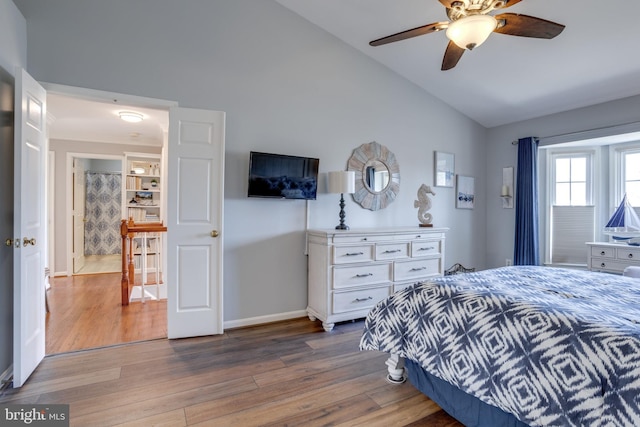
465, 192
444, 169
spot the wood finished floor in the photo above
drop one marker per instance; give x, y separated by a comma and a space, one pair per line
288, 373
85, 311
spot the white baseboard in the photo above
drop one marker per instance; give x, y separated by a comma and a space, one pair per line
230, 324
60, 274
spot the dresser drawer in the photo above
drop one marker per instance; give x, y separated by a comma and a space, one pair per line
345, 277
628, 254
406, 270
608, 265
340, 239
392, 251
420, 236
358, 300
351, 254
425, 248
600, 251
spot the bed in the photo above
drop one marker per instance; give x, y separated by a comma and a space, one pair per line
517, 346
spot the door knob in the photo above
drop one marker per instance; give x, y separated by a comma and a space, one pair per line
214, 233
9, 242
27, 242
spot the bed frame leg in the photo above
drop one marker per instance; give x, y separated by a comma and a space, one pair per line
395, 366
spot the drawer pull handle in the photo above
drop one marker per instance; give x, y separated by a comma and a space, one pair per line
603, 265
392, 251
364, 275
430, 248
364, 239
418, 236
418, 268
630, 256
602, 253
354, 253
362, 299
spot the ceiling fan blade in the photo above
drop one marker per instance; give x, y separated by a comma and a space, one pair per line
451, 56
414, 32
527, 26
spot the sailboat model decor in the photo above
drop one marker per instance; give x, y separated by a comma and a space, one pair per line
624, 224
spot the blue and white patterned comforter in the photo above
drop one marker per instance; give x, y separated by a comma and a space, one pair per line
554, 347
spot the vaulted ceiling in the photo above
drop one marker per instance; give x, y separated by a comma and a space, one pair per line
507, 79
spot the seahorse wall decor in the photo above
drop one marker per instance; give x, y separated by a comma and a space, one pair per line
424, 204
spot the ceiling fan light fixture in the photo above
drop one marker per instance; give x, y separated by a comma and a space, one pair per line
471, 31
131, 116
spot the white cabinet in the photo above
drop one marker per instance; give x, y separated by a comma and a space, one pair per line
611, 257
350, 271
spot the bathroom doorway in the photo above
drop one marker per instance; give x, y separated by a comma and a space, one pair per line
96, 212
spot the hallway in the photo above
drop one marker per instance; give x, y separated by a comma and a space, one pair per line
86, 312
101, 264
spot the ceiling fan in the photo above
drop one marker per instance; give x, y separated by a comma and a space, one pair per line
471, 24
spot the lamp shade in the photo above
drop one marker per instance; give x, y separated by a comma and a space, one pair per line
471, 31
342, 182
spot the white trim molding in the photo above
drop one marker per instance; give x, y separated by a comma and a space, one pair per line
251, 321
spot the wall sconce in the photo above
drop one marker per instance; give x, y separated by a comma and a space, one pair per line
342, 182
507, 188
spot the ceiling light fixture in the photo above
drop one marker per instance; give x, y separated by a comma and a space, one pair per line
130, 116
471, 31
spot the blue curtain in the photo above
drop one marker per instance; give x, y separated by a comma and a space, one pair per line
526, 248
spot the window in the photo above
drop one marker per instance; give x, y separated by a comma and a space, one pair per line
572, 214
626, 179
571, 176
630, 176
583, 183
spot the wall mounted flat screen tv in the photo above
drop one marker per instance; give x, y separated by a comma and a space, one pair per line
281, 176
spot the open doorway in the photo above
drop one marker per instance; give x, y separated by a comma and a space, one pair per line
96, 211
89, 142
194, 160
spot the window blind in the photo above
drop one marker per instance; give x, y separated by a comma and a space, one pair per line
572, 227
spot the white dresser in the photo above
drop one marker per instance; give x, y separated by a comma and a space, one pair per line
611, 257
350, 271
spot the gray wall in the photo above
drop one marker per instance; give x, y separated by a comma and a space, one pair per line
500, 152
13, 53
106, 165
287, 87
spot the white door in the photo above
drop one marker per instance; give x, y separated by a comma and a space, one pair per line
78, 218
29, 227
195, 182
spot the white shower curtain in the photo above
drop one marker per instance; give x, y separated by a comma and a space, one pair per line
102, 213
